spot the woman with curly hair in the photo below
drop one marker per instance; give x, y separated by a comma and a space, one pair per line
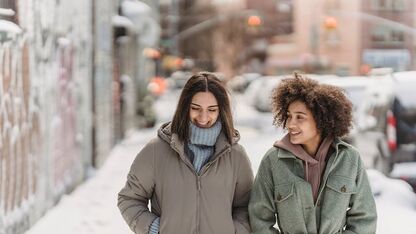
311, 181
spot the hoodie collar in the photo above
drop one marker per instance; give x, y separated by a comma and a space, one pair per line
296, 150
337, 144
299, 152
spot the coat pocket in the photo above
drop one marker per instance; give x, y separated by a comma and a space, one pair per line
342, 185
288, 209
336, 201
283, 191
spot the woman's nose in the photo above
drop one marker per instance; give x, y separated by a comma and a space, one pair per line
290, 124
203, 116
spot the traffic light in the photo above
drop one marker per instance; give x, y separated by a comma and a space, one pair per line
254, 21
330, 23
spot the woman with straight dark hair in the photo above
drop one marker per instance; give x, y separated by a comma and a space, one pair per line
196, 175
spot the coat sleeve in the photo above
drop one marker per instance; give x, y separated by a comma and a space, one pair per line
242, 195
133, 199
262, 210
362, 217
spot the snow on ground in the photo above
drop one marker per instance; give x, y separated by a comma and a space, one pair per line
92, 207
396, 204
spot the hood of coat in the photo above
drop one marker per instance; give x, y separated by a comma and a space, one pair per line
172, 139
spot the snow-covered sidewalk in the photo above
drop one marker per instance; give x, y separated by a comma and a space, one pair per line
92, 207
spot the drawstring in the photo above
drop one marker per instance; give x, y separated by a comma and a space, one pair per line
307, 171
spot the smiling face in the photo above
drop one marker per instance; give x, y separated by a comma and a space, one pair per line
204, 109
302, 127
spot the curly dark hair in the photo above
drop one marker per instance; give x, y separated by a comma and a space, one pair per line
330, 107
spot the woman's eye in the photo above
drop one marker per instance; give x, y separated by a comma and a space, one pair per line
212, 110
194, 108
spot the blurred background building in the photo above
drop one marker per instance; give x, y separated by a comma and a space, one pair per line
341, 37
345, 37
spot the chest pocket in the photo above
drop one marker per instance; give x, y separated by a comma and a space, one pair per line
283, 192
289, 210
337, 198
342, 185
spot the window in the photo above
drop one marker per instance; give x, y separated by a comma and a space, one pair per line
397, 36
379, 34
381, 5
387, 36
399, 5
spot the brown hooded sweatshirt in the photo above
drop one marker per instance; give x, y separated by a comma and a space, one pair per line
314, 165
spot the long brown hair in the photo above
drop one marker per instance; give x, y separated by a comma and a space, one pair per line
202, 82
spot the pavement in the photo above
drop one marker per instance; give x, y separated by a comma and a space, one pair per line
92, 206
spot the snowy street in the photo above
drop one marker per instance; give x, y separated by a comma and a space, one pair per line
92, 207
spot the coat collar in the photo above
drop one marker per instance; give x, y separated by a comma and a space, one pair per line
221, 146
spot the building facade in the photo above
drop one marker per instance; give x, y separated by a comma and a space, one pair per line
346, 37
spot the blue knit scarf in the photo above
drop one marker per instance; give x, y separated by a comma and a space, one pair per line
201, 143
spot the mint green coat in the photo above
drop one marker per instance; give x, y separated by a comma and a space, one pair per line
281, 194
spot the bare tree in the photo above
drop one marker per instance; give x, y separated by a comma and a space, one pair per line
199, 46
230, 43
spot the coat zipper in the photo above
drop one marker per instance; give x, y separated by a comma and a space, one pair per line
198, 178
198, 203
203, 171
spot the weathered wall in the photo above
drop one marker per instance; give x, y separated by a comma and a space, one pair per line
68, 93
45, 108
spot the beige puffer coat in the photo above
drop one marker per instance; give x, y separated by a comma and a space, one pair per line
215, 201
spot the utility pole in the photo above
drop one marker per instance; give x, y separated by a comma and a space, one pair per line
173, 26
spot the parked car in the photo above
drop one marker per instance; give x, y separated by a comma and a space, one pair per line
241, 82
379, 132
371, 101
258, 93
404, 110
